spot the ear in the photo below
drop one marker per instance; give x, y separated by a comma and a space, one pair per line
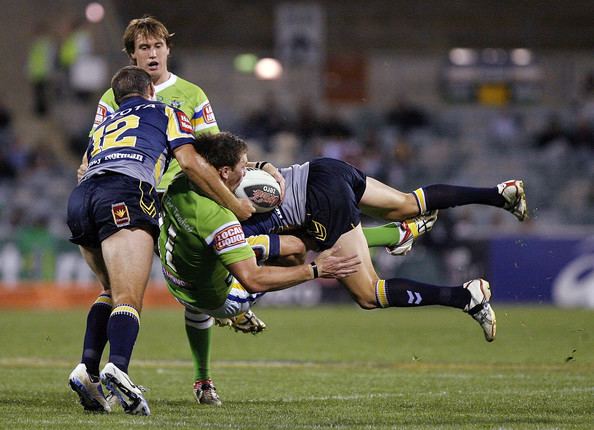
224, 172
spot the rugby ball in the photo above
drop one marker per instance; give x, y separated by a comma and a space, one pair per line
261, 189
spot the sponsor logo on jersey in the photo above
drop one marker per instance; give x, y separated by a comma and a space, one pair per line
176, 104
208, 114
228, 238
121, 216
174, 279
184, 122
100, 115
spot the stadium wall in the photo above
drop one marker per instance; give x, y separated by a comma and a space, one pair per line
523, 268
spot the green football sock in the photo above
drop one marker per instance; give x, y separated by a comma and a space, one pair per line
200, 345
383, 235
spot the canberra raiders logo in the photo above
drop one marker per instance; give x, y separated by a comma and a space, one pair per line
173, 103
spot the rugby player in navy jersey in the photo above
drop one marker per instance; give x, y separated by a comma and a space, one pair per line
325, 199
113, 217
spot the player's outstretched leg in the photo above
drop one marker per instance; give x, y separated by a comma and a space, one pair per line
472, 297
129, 394
89, 391
515, 198
206, 393
381, 201
479, 307
509, 195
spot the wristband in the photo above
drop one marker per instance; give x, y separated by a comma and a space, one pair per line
260, 164
314, 267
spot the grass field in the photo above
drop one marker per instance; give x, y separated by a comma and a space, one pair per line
327, 367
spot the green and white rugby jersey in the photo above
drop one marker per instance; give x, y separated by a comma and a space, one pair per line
198, 238
180, 94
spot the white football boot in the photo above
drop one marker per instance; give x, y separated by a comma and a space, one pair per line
479, 307
206, 393
515, 198
121, 386
246, 322
410, 230
90, 393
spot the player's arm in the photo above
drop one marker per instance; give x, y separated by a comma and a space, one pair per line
292, 251
179, 134
268, 167
205, 176
257, 279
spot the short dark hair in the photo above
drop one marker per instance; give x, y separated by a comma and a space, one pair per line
221, 149
129, 81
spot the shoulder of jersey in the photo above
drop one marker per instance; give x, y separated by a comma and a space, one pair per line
108, 98
185, 85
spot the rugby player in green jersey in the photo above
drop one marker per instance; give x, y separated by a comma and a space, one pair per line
208, 264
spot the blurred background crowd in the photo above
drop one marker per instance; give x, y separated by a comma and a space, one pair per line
412, 93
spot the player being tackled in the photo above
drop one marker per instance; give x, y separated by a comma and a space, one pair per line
211, 268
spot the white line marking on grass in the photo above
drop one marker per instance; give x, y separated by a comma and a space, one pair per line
415, 366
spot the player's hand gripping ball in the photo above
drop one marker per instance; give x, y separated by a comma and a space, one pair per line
261, 189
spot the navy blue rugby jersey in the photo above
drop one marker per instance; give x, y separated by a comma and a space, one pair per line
138, 140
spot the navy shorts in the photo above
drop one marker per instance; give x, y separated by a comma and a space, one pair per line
334, 190
103, 204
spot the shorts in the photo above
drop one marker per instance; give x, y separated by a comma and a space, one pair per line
103, 204
334, 190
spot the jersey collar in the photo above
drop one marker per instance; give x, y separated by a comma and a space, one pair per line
169, 82
132, 101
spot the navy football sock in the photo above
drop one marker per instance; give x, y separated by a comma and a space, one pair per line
122, 331
442, 196
96, 333
400, 292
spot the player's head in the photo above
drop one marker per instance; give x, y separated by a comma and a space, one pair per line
147, 42
227, 153
131, 81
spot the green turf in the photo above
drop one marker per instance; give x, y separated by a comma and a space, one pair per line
325, 367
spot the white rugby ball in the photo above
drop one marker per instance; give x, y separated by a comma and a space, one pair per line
261, 189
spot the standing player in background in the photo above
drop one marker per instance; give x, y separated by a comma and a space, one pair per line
148, 45
113, 216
